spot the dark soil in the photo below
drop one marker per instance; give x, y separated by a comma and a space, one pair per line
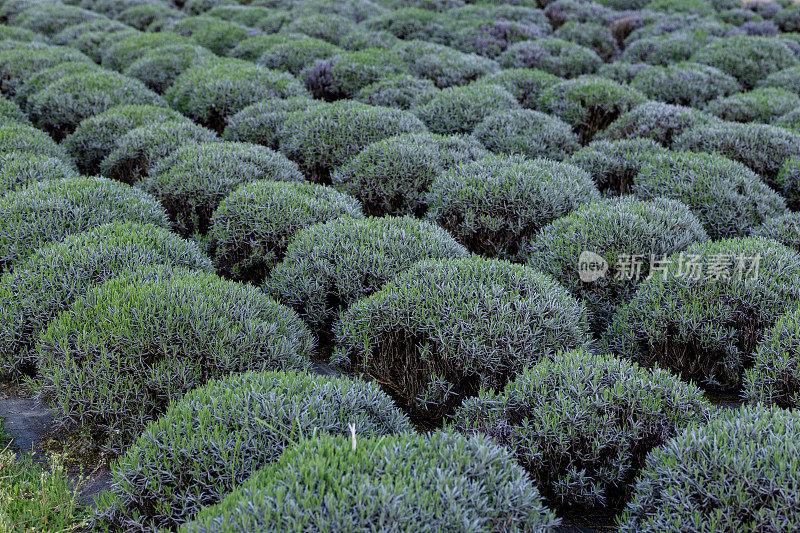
32, 430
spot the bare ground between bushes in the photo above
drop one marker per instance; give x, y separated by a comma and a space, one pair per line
31, 427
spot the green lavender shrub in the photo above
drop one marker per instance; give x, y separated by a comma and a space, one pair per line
18, 137
493, 206
322, 138
10, 113
329, 266
447, 481
262, 123
785, 229
160, 67
529, 133
524, 84
210, 93
20, 169
345, 74
187, 460
45, 77
192, 181
449, 327
589, 103
759, 105
444, 66
52, 210
97, 136
743, 461
62, 105
115, 360
39, 288
686, 84
747, 58
400, 91
219, 36
702, 316
124, 52
21, 61
253, 226
631, 235
774, 378
392, 176
657, 121
762, 148
582, 424
556, 56
461, 109
294, 56
142, 148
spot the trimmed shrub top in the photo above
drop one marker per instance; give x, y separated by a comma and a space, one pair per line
774, 378
744, 461
747, 58
252, 228
10, 113
322, 138
124, 52
762, 148
556, 56
443, 65
17, 137
295, 55
51, 210
785, 229
788, 182
50, 18
62, 105
210, 93
591, 35
728, 198
663, 49
19, 169
392, 176
616, 229
219, 36
195, 178
705, 312
525, 84
621, 71
184, 460
45, 284
159, 68
119, 355
493, 206
589, 103
446, 481
44, 78
329, 266
529, 133
758, 105
657, 121
23, 60
401, 91
344, 74
460, 109
141, 148
448, 327
689, 84
97, 136
615, 164
262, 123
582, 424
788, 78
